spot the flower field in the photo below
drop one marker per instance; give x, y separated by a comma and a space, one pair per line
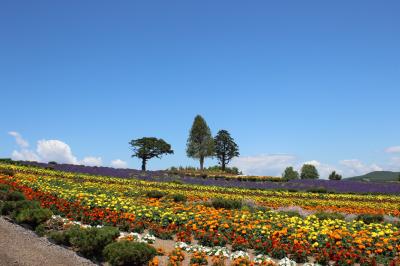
128, 204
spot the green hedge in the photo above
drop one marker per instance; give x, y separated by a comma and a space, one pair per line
219, 203
126, 253
33, 217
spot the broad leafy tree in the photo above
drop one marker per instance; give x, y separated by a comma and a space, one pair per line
200, 143
290, 173
225, 148
308, 171
147, 148
335, 176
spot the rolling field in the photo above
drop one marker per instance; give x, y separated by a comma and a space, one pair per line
243, 223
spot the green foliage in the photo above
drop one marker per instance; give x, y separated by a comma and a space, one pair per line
329, 215
3, 195
225, 148
200, 143
91, 242
33, 217
219, 203
63, 237
4, 187
7, 207
126, 253
148, 148
335, 176
15, 196
317, 190
370, 218
179, 197
40, 230
18, 206
290, 173
7, 172
308, 171
156, 194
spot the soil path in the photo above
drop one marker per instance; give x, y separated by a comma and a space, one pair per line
19, 246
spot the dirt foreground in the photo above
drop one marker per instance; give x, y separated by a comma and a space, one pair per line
19, 246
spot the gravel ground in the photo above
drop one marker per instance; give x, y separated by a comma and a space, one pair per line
19, 246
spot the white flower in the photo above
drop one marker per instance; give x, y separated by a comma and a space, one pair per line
287, 262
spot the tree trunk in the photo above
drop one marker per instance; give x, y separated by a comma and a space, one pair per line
143, 164
223, 165
201, 163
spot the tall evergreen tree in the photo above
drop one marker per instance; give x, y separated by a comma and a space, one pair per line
200, 143
225, 148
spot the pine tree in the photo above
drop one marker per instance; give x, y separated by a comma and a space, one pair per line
225, 148
200, 143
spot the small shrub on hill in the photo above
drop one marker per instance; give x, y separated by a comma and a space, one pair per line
128, 253
33, 217
155, 194
7, 207
15, 196
179, 197
7, 172
370, 218
91, 242
4, 187
229, 204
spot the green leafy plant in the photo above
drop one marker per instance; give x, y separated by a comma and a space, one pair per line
15, 196
155, 194
219, 203
370, 218
33, 217
7, 172
90, 242
126, 253
179, 197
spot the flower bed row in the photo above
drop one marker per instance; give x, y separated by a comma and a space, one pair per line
96, 201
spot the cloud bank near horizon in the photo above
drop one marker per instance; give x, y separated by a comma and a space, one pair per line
263, 164
54, 150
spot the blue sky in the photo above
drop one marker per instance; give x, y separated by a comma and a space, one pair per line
293, 81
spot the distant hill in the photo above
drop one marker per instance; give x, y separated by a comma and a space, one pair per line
377, 176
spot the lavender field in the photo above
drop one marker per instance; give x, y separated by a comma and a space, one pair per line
342, 186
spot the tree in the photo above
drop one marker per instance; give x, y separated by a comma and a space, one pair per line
225, 148
290, 173
308, 171
335, 176
200, 143
147, 148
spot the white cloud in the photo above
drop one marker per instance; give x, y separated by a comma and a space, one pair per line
25, 155
117, 163
55, 150
91, 161
354, 167
323, 169
394, 163
393, 149
263, 164
21, 142
49, 150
